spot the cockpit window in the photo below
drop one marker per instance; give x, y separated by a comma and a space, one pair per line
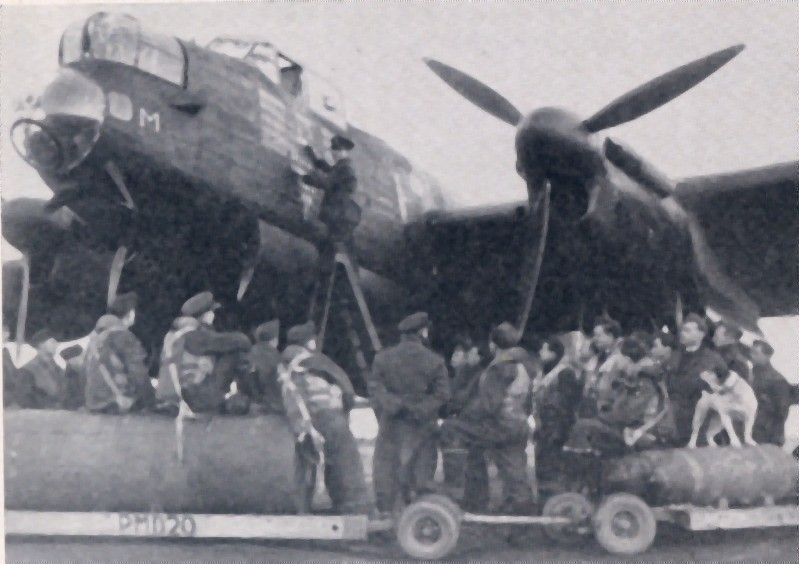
113, 37
235, 48
119, 38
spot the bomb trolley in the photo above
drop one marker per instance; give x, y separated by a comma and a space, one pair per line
696, 489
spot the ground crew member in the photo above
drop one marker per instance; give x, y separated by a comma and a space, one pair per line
496, 422
774, 396
166, 392
40, 382
315, 406
339, 212
556, 396
408, 385
685, 385
726, 340
206, 362
263, 387
604, 344
116, 374
465, 364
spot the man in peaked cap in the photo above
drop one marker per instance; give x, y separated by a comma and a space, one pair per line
263, 387
200, 362
495, 423
408, 385
317, 396
339, 212
116, 374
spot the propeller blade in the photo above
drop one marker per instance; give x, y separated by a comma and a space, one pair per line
116, 273
476, 92
538, 261
244, 281
659, 91
22, 311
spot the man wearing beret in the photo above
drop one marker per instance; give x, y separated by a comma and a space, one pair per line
408, 385
40, 382
339, 212
685, 385
116, 375
317, 395
496, 423
201, 363
263, 387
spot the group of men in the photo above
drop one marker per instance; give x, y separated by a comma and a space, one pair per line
614, 395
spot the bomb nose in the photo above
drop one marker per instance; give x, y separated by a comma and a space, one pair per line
62, 127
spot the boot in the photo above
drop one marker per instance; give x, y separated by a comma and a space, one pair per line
454, 460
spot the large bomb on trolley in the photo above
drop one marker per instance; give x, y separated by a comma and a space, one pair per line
705, 476
68, 461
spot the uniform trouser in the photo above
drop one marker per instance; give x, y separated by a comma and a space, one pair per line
405, 460
505, 446
344, 476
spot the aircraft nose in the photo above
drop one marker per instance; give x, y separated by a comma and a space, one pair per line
62, 127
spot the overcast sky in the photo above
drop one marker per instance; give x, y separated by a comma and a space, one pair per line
575, 55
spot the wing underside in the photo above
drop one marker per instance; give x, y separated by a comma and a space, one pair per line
751, 221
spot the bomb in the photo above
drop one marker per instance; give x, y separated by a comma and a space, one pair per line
70, 461
705, 476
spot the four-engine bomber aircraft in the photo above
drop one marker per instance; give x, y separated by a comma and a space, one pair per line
184, 164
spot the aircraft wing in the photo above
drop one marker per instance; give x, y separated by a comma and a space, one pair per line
750, 221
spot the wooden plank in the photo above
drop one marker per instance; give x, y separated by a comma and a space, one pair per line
186, 525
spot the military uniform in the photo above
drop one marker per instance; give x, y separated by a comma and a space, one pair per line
408, 385
495, 422
685, 387
263, 386
114, 354
202, 362
314, 403
339, 212
774, 397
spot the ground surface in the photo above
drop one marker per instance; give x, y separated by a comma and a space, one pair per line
776, 545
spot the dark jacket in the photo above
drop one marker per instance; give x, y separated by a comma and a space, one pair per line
114, 352
40, 384
339, 182
409, 381
736, 360
209, 362
464, 387
685, 386
774, 398
505, 392
264, 361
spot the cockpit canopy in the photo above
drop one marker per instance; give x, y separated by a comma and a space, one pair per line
320, 95
119, 38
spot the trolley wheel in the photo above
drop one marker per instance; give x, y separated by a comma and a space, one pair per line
429, 527
624, 524
576, 507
